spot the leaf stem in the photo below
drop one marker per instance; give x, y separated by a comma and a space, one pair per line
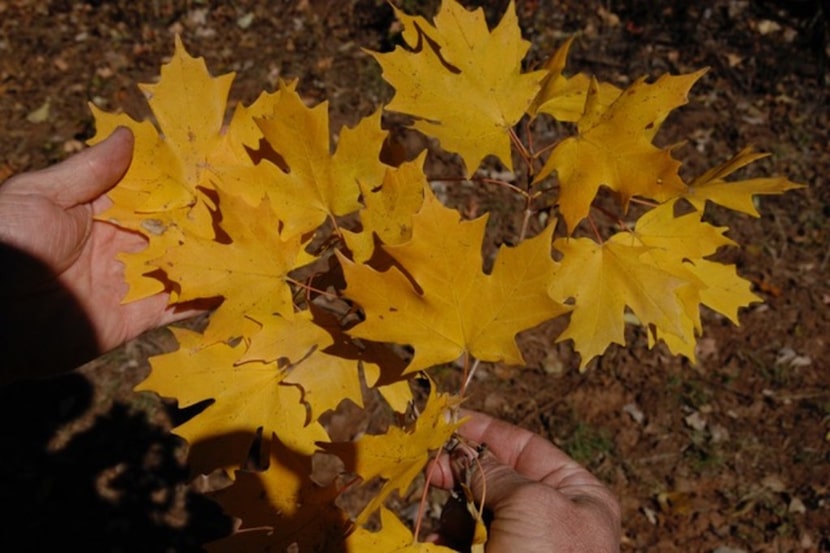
613, 216
309, 288
523, 152
468, 375
487, 180
422, 506
640, 201
595, 229
525, 223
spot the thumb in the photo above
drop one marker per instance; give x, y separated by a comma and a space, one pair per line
82, 177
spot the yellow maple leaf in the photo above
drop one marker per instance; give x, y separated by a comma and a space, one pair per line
719, 287
399, 455
678, 245
285, 338
564, 97
175, 162
613, 148
243, 130
317, 184
658, 271
388, 209
248, 269
737, 195
462, 82
281, 506
604, 279
170, 163
674, 245
394, 537
675, 237
453, 307
245, 396
300, 344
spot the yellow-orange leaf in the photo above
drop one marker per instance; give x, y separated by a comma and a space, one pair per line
399, 455
564, 97
677, 245
603, 280
673, 244
299, 344
613, 148
248, 271
318, 184
718, 287
388, 209
243, 130
281, 506
674, 238
175, 163
463, 82
737, 195
454, 307
171, 162
246, 396
394, 537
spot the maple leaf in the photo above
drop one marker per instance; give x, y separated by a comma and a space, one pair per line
317, 184
453, 307
244, 133
718, 287
281, 506
679, 245
461, 81
604, 279
394, 537
383, 369
737, 195
675, 238
564, 97
325, 379
248, 270
657, 270
614, 147
170, 164
388, 209
173, 165
246, 396
399, 455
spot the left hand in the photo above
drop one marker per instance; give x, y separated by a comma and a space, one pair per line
59, 265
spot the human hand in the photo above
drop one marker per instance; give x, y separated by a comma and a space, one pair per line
59, 265
540, 499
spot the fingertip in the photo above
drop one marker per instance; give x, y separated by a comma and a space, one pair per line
97, 169
122, 142
122, 134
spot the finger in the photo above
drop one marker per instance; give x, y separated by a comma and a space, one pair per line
532, 457
528, 453
82, 177
586, 518
536, 460
493, 482
521, 449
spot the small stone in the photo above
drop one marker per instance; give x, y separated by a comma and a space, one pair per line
796, 507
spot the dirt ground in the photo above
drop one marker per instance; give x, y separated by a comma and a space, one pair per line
731, 455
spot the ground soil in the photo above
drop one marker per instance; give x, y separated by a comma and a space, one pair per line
731, 454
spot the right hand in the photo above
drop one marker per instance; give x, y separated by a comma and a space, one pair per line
540, 499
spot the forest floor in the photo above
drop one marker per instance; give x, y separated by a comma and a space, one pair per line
731, 454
